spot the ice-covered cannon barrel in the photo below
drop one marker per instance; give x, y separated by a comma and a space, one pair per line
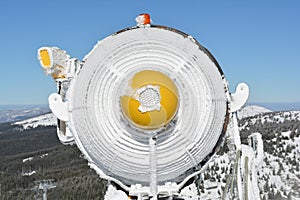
172, 70
139, 83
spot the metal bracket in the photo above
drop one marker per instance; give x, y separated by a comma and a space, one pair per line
58, 107
239, 98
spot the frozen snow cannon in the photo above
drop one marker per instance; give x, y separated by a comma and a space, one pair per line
148, 106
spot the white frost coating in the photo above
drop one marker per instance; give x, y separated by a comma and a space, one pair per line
113, 194
97, 122
248, 152
248, 165
239, 180
66, 137
190, 192
153, 167
58, 58
255, 163
149, 98
233, 130
259, 150
58, 107
239, 98
252, 184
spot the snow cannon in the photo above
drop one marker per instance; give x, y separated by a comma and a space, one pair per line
148, 106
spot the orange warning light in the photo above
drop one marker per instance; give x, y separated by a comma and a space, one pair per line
143, 19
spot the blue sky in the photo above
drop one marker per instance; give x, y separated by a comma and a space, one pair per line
257, 42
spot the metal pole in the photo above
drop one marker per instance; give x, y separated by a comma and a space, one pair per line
153, 167
246, 177
45, 194
237, 174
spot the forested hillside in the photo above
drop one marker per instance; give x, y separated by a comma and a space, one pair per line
33, 155
29, 156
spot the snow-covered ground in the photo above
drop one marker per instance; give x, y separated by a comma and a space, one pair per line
17, 114
42, 120
279, 173
250, 111
27, 159
30, 172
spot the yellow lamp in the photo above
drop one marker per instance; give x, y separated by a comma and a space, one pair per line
152, 100
54, 61
45, 59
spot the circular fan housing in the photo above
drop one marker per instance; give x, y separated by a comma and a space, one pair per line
143, 82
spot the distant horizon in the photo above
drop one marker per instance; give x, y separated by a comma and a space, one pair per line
22, 106
273, 106
277, 106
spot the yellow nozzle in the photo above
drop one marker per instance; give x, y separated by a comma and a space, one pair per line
45, 58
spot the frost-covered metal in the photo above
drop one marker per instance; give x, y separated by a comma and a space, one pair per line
152, 160
122, 151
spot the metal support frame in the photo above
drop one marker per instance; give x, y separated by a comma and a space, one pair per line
239, 181
153, 167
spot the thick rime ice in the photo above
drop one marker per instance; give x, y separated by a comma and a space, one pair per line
113, 194
95, 110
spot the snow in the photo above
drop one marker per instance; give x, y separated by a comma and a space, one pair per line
286, 134
273, 117
16, 114
42, 120
29, 173
27, 159
113, 194
44, 155
278, 169
213, 188
249, 111
31, 158
190, 192
282, 116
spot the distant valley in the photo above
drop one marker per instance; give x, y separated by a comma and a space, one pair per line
30, 152
18, 113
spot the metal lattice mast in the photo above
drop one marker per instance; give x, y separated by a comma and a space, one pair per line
43, 186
